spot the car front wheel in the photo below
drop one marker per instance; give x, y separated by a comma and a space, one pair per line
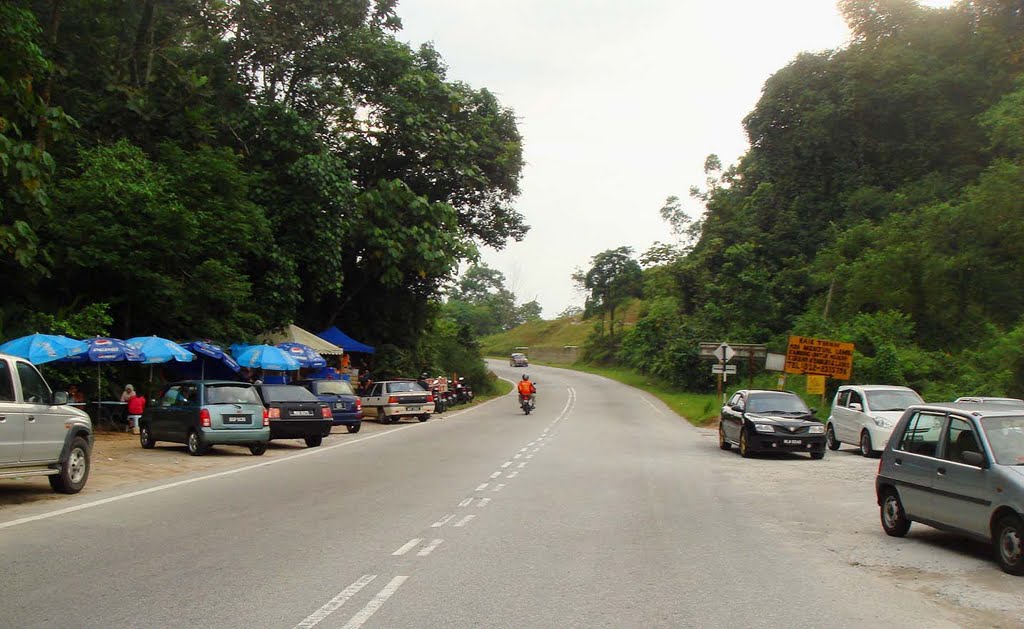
744, 446
865, 444
894, 519
830, 438
75, 470
1009, 542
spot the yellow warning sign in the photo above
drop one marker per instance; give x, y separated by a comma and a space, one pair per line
819, 357
816, 385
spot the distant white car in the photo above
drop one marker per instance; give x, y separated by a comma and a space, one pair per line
865, 414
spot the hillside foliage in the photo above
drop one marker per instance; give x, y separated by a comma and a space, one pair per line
879, 202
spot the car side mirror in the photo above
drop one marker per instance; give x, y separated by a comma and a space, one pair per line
813, 410
855, 406
973, 458
60, 398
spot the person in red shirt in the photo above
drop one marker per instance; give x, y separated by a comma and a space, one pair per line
136, 405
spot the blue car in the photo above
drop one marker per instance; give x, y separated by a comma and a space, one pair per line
346, 406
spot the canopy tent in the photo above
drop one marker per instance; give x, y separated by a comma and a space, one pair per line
336, 336
295, 334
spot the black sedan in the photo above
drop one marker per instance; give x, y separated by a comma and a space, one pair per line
770, 421
295, 413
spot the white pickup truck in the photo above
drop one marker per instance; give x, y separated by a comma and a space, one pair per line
40, 435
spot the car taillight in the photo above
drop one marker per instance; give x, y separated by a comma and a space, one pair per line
393, 400
204, 418
430, 398
266, 417
325, 412
272, 413
359, 404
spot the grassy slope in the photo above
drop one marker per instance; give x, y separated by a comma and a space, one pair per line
537, 334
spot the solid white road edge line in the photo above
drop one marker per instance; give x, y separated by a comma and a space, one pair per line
651, 404
336, 602
376, 603
237, 470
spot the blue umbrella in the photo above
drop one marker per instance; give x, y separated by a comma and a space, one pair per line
107, 350
267, 357
160, 350
307, 356
42, 348
102, 350
221, 363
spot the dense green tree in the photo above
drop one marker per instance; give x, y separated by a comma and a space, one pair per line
613, 277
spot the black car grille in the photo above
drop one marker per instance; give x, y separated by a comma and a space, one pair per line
412, 399
792, 430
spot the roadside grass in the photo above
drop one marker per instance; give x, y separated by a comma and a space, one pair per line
499, 388
699, 409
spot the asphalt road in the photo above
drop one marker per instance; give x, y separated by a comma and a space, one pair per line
601, 509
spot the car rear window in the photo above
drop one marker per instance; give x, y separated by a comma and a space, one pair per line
231, 394
334, 387
401, 387
286, 393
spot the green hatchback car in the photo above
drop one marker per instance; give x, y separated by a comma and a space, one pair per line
204, 413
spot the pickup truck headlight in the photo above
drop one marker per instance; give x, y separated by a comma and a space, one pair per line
764, 428
881, 422
817, 429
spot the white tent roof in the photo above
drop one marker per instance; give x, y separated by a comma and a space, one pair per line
295, 334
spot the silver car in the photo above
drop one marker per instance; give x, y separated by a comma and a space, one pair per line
960, 468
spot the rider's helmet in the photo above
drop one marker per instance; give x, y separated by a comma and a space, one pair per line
526, 377
424, 376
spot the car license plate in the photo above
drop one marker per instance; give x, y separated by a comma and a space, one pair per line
236, 419
792, 442
302, 413
412, 408
340, 406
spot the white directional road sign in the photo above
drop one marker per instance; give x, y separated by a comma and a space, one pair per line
723, 369
724, 353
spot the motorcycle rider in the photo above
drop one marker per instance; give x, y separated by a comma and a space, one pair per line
527, 390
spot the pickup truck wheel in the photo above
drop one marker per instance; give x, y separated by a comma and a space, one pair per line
74, 471
354, 427
312, 442
145, 438
195, 444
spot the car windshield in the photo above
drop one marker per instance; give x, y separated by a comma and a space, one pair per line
286, 393
231, 394
402, 387
1006, 437
776, 403
334, 387
892, 400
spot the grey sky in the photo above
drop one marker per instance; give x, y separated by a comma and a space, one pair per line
620, 102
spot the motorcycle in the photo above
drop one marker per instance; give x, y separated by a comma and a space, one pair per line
526, 402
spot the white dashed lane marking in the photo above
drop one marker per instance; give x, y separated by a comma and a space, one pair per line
332, 605
429, 548
466, 502
483, 502
378, 601
512, 475
464, 521
499, 486
413, 543
482, 486
506, 464
443, 521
